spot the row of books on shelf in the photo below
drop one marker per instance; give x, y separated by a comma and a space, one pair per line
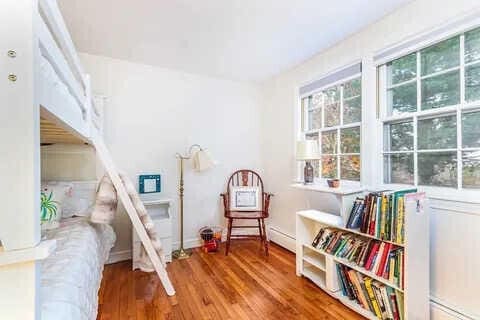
384, 259
383, 301
381, 214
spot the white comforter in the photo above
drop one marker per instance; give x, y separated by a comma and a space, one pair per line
71, 276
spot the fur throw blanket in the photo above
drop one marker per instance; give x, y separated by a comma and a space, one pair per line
105, 203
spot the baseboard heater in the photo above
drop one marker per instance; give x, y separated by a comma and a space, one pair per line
282, 239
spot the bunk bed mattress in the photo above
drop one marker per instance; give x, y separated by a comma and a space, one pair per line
71, 276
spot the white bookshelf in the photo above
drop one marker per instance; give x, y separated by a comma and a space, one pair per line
320, 266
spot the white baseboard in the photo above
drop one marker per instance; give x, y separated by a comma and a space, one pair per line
281, 238
117, 256
122, 255
188, 243
439, 310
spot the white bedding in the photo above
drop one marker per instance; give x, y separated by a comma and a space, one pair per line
71, 276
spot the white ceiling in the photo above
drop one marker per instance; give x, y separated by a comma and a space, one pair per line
239, 39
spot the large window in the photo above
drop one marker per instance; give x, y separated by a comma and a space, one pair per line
430, 109
332, 116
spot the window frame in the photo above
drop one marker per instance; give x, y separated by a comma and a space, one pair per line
304, 124
454, 110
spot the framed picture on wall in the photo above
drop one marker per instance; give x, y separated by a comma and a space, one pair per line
149, 183
245, 199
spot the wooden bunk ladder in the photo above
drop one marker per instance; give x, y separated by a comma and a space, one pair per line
106, 159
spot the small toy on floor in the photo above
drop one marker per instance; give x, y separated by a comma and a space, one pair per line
211, 236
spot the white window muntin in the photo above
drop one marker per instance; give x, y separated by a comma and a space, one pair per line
454, 110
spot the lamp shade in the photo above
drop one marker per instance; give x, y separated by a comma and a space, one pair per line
308, 150
202, 160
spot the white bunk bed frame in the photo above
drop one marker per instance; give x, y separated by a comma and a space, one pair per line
34, 40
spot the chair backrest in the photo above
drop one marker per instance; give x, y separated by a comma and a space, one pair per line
245, 178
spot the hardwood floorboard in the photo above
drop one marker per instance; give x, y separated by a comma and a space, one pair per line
244, 285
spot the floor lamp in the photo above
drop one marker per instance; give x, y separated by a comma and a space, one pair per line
201, 162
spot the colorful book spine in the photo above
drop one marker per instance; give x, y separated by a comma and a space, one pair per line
383, 259
371, 296
383, 301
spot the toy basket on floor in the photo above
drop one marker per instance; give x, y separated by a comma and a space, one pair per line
211, 236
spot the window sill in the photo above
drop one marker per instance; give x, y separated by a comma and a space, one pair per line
321, 187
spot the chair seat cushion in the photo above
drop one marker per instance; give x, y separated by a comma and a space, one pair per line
246, 214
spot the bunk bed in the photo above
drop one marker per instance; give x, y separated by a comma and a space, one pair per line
71, 275
49, 100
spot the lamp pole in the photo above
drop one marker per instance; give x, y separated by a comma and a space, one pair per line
181, 253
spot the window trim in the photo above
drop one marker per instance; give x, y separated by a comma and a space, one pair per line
419, 41
359, 124
454, 110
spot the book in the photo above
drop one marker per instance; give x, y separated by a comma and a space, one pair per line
401, 309
401, 267
378, 258
372, 255
382, 300
343, 285
380, 214
400, 220
393, 303
355, 219
361, 297
371, 296
350, 287
383, 217
352, 212
386, 301
365, 292
364, 257
373, 217
366, 214
391, 269
379, 298
383, 259
350, 278
317, 238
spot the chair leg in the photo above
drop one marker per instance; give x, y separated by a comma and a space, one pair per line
260, 233
229, 233
265, 240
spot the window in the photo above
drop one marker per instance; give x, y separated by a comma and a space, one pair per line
332, 116
431, 114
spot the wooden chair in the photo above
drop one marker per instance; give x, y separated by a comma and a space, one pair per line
246, 178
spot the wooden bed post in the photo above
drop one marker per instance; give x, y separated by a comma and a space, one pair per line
20, 162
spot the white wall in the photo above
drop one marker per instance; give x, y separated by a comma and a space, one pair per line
151, 113
452, 283
68, 162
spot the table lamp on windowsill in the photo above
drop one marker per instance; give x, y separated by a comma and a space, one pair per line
307, 150
201, 162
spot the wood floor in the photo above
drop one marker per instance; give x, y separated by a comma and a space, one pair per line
244, 285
